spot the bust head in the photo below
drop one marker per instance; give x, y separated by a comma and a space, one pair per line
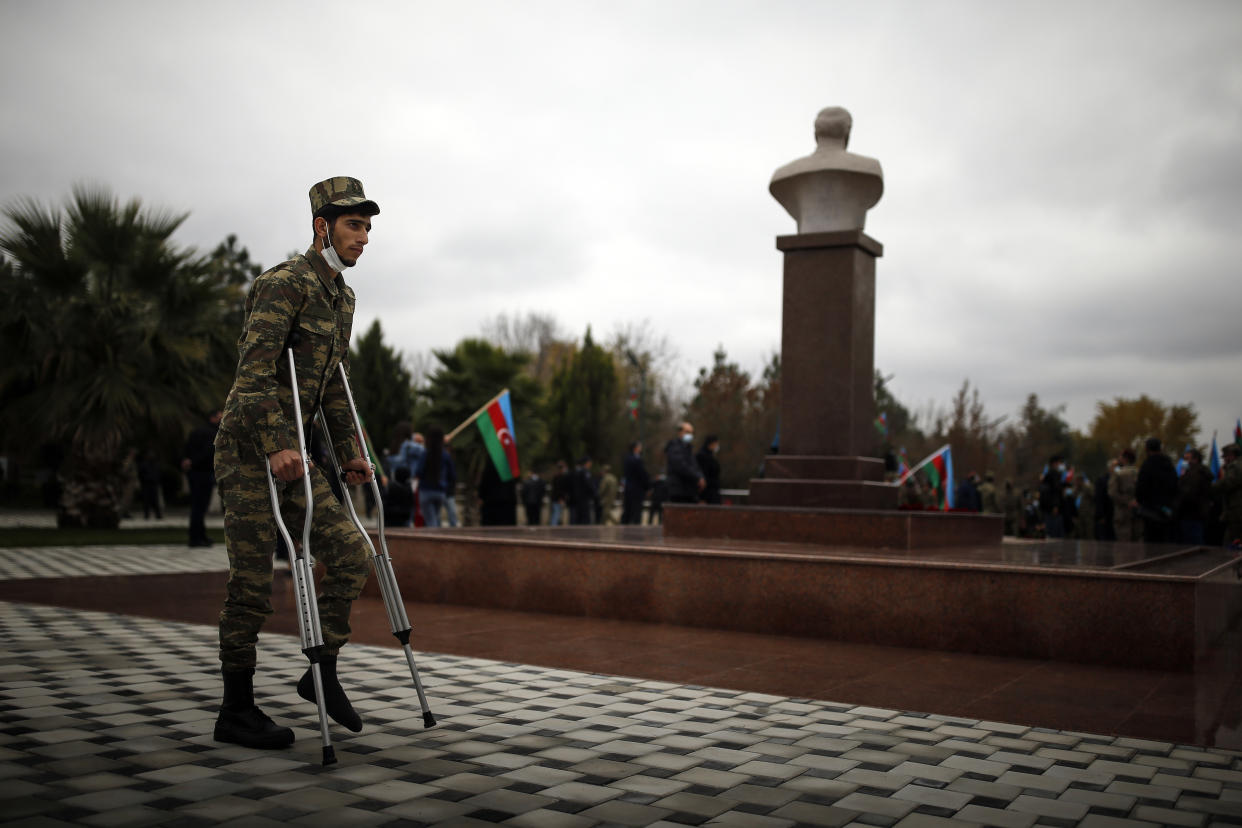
832, 125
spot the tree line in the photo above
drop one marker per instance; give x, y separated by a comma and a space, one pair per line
116, 338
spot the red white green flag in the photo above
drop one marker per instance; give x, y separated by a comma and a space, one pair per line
495, 424
938, 468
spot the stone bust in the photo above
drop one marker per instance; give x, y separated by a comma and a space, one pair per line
830, 189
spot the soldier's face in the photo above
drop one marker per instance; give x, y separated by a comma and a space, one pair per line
350, 236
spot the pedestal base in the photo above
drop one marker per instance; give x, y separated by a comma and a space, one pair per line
817, 481
891, 529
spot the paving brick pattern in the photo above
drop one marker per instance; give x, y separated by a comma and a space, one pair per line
106, 719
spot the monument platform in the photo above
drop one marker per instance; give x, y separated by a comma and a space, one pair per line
1118, 604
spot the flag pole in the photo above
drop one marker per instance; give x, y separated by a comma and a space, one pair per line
474, 416
919, 465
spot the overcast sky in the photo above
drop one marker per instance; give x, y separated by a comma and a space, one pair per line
1063, 180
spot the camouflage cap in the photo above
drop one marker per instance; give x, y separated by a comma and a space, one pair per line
341, 191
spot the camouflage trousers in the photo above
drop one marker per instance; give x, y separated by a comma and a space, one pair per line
250, 535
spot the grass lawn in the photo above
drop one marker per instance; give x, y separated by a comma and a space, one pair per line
39, 536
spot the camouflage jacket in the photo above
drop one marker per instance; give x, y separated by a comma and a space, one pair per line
1230, 488
305, 295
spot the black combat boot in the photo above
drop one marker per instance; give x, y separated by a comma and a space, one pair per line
338, 706
241, 722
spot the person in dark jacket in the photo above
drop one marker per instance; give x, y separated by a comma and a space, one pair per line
710, 466
533, 490
582, 494
1194, 498
1052, 498
1104, 508
498, 498
434, 471
1156, 493
399, 499
199, 467
637, 481
685, 478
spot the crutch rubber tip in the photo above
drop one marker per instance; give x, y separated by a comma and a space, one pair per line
329, 755
429, 720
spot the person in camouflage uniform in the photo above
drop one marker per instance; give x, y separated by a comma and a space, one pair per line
1121, 486
304, 304
1230, 488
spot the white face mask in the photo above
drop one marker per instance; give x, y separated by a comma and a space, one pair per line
687, 438
330, 255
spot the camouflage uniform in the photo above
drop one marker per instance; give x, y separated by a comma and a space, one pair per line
1230, 489
1121, 486
306, 295
988, 498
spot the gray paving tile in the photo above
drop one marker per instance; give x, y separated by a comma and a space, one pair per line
530, 746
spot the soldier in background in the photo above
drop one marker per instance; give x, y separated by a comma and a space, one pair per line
989, 501
1194, 498
1230, 488
1121, 492
306, 294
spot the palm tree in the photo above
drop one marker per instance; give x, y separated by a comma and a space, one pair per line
109, 332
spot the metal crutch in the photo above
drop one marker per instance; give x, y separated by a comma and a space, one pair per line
381, 561
308, 607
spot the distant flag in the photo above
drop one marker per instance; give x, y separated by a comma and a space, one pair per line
1000, 451
881, 424
495, 423
903, 464
1214, 462
939, 466
633, 405
1237, 432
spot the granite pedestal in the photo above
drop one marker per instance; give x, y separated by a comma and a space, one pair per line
1109, 604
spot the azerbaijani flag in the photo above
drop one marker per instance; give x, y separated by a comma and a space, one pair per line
939, 466
940, 475
496, 426
1215, 459
1237, 432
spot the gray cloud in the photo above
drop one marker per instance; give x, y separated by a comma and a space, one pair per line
1063, 184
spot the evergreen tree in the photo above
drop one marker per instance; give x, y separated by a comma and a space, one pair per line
585, 408
381, 384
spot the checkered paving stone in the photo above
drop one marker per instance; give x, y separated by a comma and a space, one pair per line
76, 561
106, 720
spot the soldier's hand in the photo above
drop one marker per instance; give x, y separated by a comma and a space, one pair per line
357, 471
286, 465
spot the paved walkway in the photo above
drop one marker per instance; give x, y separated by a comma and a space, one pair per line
105, 719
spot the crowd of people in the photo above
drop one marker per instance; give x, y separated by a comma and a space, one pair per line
416, 493
1157, 501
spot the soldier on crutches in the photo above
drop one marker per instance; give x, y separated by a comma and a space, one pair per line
260, 432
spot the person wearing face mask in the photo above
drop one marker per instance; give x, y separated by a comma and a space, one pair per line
685, 478
306, 296
710, 467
